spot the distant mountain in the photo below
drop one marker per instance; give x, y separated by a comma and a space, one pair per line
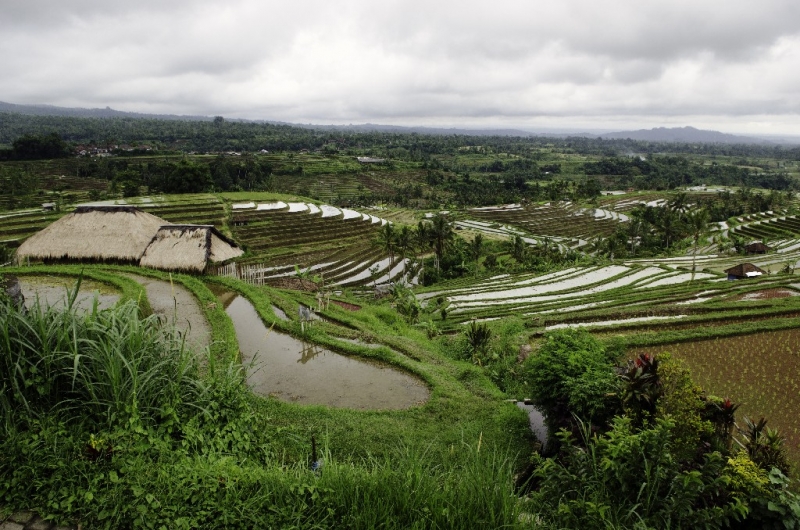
659, 134
108, 112
688, 135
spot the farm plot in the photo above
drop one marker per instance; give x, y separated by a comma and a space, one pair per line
616, 297
786, 252
16, 226
768, 226
337, 178
560, 219
761, 371
191, 209
284, 239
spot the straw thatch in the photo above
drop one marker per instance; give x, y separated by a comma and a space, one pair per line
94, 233
125, 234
188, 248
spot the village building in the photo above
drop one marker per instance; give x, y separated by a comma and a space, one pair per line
125, 235
743, 271
757, 247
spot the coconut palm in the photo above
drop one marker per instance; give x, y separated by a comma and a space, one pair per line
387, 238
669, 225
441, 234
476, 250
698, 225
404, 243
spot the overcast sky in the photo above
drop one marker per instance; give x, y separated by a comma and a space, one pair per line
730, 65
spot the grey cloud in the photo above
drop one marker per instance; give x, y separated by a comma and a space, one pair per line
355, 60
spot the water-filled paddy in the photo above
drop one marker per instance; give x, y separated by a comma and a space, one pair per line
178, 306
52, 292
288, 369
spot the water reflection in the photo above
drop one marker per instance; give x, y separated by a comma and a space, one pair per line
283, 367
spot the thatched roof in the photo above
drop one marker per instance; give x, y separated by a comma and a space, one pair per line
757, 247
745, 270
94, 233
188, 248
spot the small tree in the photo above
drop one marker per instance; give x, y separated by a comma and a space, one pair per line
478, 337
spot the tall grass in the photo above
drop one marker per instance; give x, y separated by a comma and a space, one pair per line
105, 366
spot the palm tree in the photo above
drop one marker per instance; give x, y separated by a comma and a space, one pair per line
669, 224
442, 234
422, 237
404, 243
387, 239
678, 203
519, 249
476, 250
698, 224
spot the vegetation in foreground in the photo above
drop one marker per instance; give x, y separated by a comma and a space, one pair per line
107, 419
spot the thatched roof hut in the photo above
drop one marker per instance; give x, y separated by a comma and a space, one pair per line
94, 233
125, 234
188, 248
744, 270
756, 247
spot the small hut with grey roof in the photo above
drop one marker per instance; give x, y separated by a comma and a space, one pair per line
743, 271
124, 234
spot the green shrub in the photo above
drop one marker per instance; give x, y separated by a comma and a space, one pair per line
571, 374
630, 479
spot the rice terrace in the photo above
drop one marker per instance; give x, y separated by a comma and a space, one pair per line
251, 325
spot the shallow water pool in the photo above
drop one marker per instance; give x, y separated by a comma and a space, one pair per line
280, 366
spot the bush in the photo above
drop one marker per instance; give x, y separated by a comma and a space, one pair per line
571, 374
629, 479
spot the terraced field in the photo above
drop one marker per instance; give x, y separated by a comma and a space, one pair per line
617, 298
338, 178
333, 243
17, 225
767, 226
565, 222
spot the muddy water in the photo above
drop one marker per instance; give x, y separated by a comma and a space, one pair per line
176, 304
52, 292
536, 421
291, 370
278, 312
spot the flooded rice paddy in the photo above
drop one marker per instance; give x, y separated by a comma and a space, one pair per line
291, 370
52, 291
177, 305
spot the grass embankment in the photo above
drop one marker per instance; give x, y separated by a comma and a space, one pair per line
133, 436
464, 405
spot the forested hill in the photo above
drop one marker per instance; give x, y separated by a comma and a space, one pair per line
684, 135
220, 135
108, 112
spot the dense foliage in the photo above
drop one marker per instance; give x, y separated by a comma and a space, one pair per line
639, 446
456, 169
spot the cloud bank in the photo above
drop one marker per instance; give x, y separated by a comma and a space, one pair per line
729, 65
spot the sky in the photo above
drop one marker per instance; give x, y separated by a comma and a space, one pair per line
728, 65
